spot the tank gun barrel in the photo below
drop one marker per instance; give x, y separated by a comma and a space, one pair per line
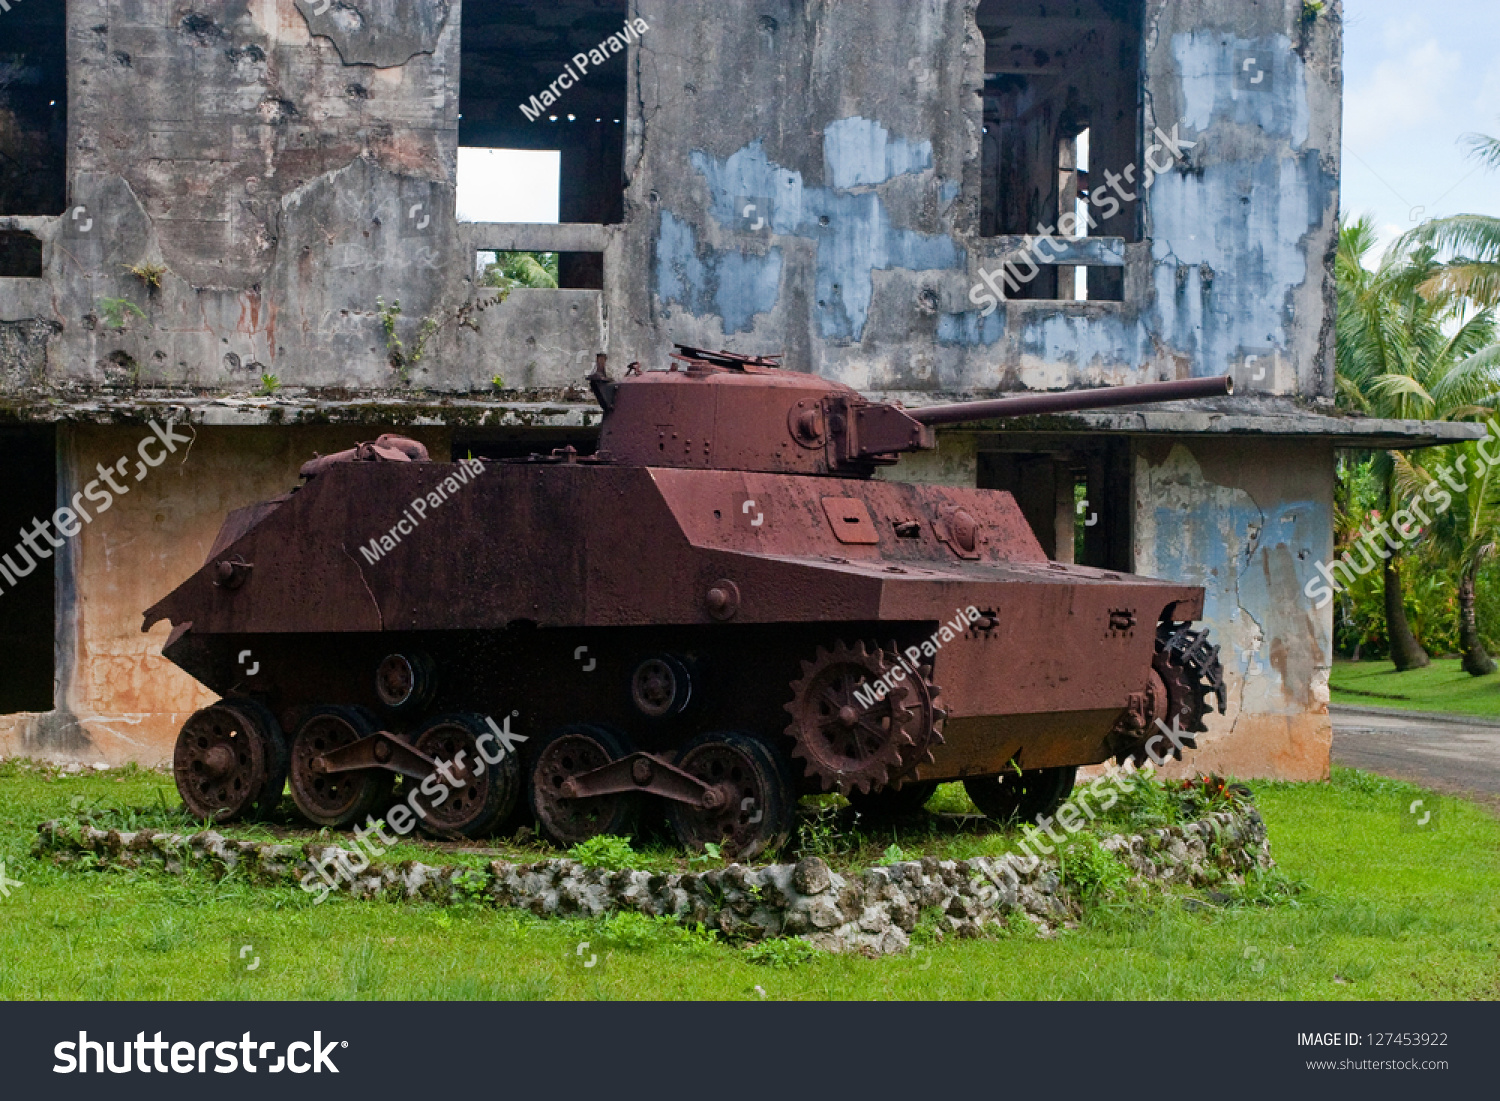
1070, 401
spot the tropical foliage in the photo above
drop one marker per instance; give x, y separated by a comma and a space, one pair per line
1417, 340
510, 270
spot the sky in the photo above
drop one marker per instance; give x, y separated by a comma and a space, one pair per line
1417, 78
508, 185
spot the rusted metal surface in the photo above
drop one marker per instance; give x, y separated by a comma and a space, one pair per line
380, 750
647, 774
1072, 401
706, 602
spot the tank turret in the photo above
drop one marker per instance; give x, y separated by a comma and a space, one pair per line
723, 411
718, 612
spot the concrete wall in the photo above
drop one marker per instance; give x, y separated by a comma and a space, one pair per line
289, 169
116, 698
1248, 523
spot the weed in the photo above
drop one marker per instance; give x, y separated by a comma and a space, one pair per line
932, 925
821, 833
893, 855
498, 383
605, 851
1311, 9
629, 931
711, 854
148, 273
115, 312
1089, 872
402, 359
472, 886
782, 952
269, 384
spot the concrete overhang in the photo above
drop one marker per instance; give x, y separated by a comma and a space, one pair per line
570, 410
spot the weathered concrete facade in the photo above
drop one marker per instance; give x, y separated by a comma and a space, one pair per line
288, 169
830, 180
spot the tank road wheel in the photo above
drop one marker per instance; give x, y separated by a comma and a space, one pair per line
1021, 796
661, 686
756, 807
570, 752
480, 798
892, 803
227, 760
404, 682
845, 743
279, 757
335, 799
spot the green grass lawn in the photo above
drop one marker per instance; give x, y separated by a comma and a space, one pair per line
1442, 686
1383, 913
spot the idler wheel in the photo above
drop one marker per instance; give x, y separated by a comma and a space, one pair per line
404, 682
848, 744
755, 803
569, 752
485, 792
661, 686
1023, 796
893, 803
230, 762
335, 799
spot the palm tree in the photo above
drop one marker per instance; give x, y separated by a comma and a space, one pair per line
1463, 535
1471, 240
1406, 355
522, 269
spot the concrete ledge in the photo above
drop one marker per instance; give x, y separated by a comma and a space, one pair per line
572, 409
538, 236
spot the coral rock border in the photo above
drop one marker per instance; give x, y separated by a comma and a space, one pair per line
873, 912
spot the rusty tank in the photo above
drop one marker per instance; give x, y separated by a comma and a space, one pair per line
719, 611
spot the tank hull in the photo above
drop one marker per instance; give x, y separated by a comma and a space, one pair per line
538, 588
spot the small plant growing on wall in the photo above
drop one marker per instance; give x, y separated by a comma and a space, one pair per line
1311, 9
400, 357
148, 273
115, 312
269, 384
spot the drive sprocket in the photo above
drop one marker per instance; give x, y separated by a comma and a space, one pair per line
927, 732
847, 737
1187, 666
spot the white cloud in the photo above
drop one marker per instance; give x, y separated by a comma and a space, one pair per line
1403, 94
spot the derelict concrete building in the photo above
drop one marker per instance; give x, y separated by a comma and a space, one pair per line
208, 209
